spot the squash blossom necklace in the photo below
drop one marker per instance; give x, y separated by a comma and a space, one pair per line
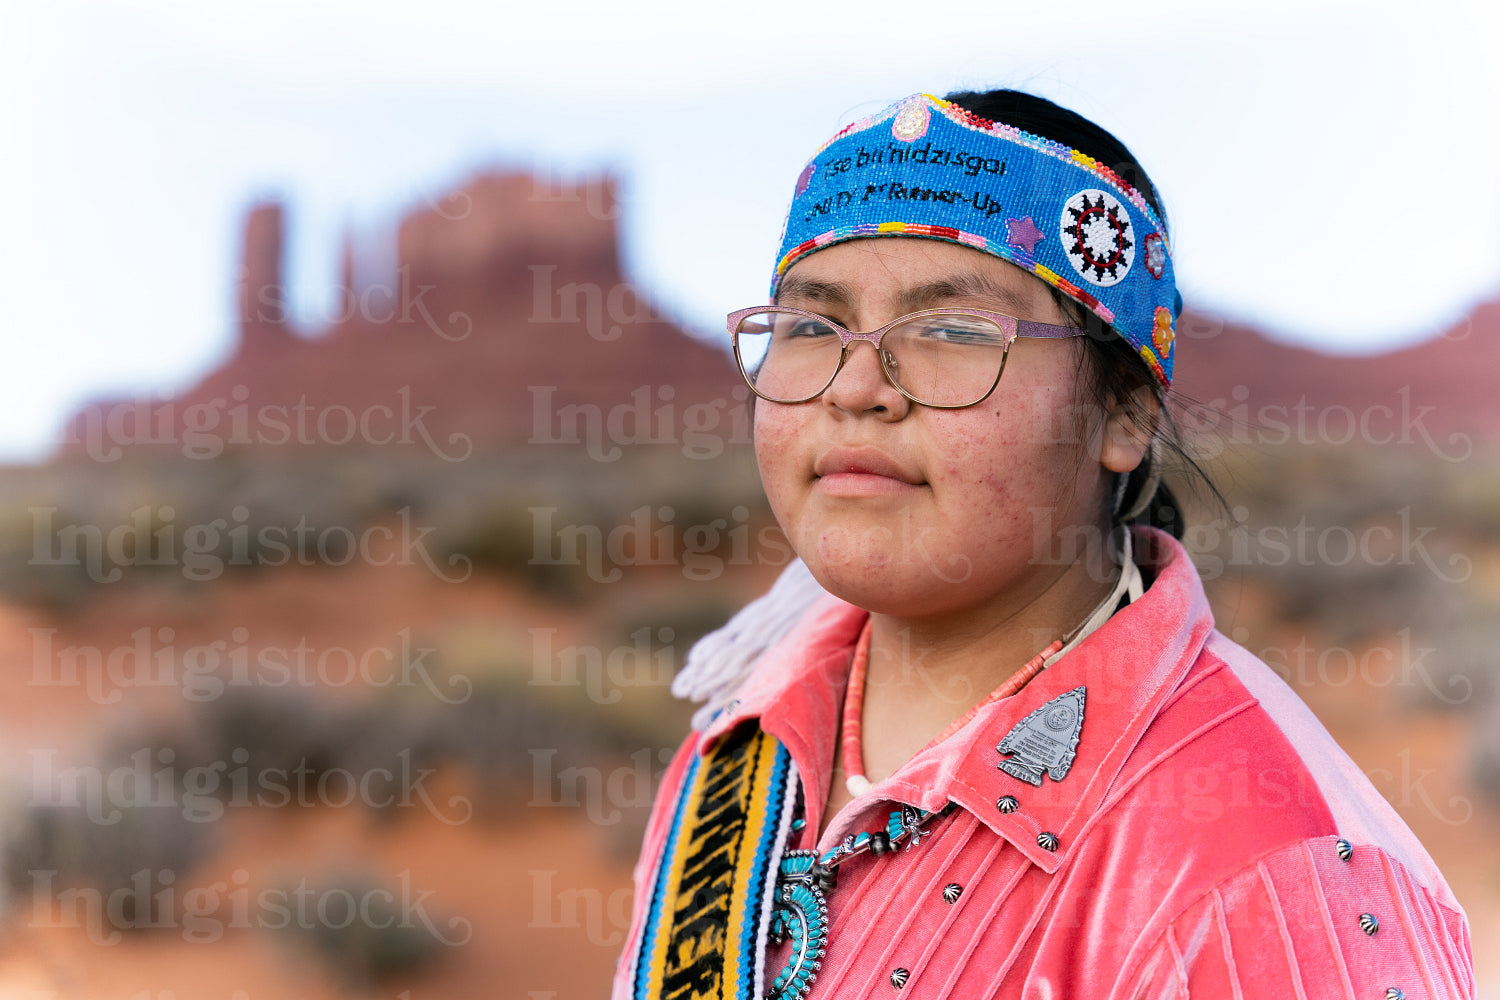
799, 912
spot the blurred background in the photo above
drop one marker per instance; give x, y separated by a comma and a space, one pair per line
372, 456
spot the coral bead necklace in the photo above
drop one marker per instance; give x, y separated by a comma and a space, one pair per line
800, 910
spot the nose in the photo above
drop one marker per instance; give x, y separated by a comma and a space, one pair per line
862, 386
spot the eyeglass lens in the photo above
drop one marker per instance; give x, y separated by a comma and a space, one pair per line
943, 360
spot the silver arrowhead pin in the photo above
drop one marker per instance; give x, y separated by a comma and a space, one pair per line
1046, 740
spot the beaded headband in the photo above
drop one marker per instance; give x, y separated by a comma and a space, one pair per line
940, 172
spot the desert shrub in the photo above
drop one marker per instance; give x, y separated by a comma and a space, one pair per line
496, 536
1484, 751
271, 732
110, 832
495, 731
365, 930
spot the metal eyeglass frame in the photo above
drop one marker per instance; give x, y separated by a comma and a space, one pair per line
1009, 325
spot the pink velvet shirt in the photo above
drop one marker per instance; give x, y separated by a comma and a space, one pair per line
1210, 837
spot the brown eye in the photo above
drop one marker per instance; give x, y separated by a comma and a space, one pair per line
960, 330
806, 326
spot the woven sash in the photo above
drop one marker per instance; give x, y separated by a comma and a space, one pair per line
711, 895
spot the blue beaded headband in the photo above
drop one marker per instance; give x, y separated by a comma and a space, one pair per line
940, 172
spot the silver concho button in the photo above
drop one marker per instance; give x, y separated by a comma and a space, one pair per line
899, 978
1368, 923
951, 892
1007, 804
1345, 849
1046, 841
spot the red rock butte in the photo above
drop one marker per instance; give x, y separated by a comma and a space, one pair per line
1435, 396
507, 305
507, 311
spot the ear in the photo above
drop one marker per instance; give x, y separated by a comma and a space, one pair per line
1128, 428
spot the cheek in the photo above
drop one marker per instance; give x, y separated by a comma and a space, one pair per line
776, 435
767, 434
1003, 472
1000, 454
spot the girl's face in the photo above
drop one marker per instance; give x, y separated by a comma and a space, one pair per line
907, 510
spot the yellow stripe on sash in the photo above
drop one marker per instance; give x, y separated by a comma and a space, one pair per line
698, 947
760, 819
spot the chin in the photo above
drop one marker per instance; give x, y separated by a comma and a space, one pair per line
886, 589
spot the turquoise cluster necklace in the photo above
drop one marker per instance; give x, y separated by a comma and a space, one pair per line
800, 910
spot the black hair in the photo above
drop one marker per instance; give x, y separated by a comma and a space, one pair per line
1111, 369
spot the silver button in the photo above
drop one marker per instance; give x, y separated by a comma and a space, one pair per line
899, 978
1345, 849
1007, 804
1046, 841
1368, 923
951, 892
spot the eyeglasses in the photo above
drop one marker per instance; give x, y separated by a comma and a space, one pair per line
945, 358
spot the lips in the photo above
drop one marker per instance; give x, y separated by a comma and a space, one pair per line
852, 465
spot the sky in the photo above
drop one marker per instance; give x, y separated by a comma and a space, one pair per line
1329, 168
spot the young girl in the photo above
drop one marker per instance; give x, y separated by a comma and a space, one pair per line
992, 745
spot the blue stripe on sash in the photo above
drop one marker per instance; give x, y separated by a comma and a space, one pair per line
752, 937
658, 889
